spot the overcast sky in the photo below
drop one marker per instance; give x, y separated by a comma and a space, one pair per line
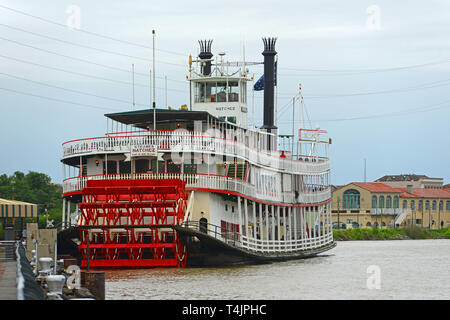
375, 74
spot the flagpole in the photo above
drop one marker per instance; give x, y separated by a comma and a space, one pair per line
253, 101
154, 87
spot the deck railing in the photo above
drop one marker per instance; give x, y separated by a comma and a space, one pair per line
207, 182
191, 141
261, 245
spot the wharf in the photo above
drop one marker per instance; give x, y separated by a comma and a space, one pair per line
8, 269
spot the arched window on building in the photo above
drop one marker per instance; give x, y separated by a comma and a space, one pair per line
405, 204
368, 224
396, 202
434, 205
420, 205
447, 205
388, 202
374, 202
381, 202
427, 205
351, 199
413, 204
441, 205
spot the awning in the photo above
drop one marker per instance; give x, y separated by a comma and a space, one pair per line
141, 118
17, 209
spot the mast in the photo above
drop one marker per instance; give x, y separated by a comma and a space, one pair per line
300, 114
132, 72
154, 87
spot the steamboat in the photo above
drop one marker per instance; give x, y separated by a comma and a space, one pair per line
198, 186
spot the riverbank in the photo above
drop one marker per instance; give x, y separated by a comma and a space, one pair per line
404, 233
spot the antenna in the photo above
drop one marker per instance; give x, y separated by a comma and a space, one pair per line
293, 125
150, 80
132, 71
165, 87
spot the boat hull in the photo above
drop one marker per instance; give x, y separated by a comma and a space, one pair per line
207, 251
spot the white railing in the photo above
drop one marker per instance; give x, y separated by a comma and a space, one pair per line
301, 243
189, 141
286, 245
386, 211
401, 216
206, 182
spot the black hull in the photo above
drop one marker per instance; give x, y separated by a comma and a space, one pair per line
206, 251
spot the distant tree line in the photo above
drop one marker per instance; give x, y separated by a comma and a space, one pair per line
37, 188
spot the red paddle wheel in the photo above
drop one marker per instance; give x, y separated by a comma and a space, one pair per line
129, 223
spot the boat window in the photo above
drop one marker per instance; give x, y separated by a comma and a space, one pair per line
211, 92
221, 93
243, 92
141, 165
173, 168
231, 119
125, 166
112, 167
199, 92
233, 89
160, 166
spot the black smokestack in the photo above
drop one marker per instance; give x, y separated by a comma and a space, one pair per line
269, 82
205, 53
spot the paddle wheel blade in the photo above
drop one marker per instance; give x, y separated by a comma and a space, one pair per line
129, 223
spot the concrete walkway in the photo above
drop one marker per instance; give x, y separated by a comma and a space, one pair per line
8, 269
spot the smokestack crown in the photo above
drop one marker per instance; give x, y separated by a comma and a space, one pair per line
205, 53
269, 46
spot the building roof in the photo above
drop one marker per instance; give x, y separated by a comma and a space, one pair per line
17, 209
334, 187
447, 186
416, 192
402, 177
426, 193
377, 187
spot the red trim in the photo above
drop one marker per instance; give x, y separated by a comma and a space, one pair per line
64, 195
203, 174
320, 131
259, 201
73, 193
151, 135
181, 135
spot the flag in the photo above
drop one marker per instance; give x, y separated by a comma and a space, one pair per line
259, 85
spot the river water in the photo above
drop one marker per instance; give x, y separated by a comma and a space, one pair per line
398, 269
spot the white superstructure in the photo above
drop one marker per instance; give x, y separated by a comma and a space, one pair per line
241, 188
